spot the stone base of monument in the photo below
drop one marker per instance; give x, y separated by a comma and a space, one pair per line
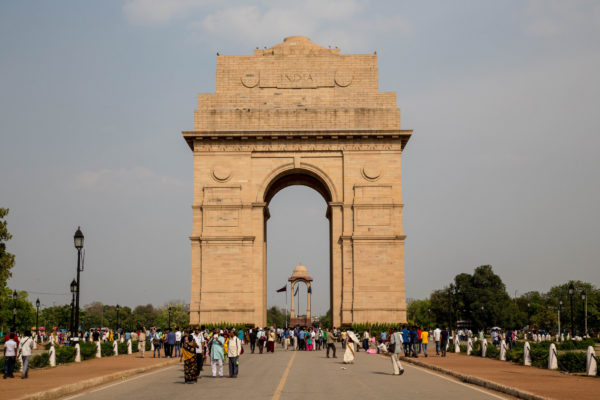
300, 321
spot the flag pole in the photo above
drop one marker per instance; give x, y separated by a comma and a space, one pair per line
286, 306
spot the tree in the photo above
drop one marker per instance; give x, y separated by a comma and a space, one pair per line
419, 312
275, 317
25, 317
7, 260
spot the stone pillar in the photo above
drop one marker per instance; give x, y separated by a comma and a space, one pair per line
526, 354
308, 303
292, 310
116, 347
502, 350
129, 349
77, 353
591, 366
483, 348
456, 343
98, 350
552, 360
469, 346
52, 356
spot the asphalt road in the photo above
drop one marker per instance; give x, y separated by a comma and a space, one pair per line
295, 375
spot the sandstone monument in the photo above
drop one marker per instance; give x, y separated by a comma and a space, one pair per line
297, 114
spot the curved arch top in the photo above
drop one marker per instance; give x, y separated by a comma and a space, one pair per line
282, 178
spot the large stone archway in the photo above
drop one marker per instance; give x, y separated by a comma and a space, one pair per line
297, 113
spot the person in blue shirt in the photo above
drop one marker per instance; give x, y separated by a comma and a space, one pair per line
405, 340
301, 342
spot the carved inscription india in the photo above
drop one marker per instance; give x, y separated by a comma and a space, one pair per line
297, 79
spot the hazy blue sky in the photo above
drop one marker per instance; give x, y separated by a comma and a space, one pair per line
503, 167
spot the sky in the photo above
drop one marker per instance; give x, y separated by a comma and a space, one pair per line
502, 168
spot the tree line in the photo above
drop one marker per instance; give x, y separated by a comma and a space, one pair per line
481, 301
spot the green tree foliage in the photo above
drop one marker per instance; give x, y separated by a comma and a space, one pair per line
276, 317
420, 314
7, 260
25, 317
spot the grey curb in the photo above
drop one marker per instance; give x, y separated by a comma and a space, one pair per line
72, 388
520, 394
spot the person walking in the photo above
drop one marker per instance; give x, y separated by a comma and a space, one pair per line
199, 339
188, 355
177, 342
26, 347
437, 336
171, 339
234, 350
262, 339
217, 354
351, 341
396, 342
157, 342
444, 341
142, 341
10, 355
252, 339
424, 341
329, 339
271, 341
366, 338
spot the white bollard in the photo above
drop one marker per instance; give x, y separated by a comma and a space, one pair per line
526, 354
456, 344
77, 353
122, 338
129, 349
484, 348
552, 360
469, 346
548, 337
116, 347
502, 350
52, 353
562, 337
591, 366
152, 346
534, 337
98, 350
35, 343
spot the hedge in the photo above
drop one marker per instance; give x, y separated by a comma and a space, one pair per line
65, 354
572, 362
40, 361
88, 350
17, 365
106, 349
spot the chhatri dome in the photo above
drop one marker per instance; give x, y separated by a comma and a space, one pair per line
300, 272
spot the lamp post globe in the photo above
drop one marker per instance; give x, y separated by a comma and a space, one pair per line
78, 239
571, 291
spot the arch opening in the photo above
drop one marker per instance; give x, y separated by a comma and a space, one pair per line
298, 233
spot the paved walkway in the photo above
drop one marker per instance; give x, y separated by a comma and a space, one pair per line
44, 380
540, 382
295, 376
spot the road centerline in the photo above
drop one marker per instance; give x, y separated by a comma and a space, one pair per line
281, 385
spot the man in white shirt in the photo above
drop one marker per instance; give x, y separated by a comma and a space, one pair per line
26, 347
234, 350
10, 356
437, 336
199, 339
396, 340
177, 342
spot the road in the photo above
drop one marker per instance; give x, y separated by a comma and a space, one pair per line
295, 375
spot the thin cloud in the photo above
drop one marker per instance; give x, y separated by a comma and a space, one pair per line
152, 12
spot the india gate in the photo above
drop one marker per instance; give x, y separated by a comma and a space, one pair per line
297, 114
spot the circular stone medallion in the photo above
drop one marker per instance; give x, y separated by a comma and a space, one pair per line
343, 78
221, 174
371, 172
250, 79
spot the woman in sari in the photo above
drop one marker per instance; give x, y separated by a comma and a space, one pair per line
351, 339
188, 354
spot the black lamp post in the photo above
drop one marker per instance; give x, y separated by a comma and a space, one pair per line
37, 319
429, 319
169, 317
584, 299
118, 308
14, 321
73, 291
571, 292
78, 241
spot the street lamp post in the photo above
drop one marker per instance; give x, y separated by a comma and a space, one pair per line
560, 303
37, 319
78, 241
584, 299
571, 292
169, 317
118, 308
14, 320
73, 291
